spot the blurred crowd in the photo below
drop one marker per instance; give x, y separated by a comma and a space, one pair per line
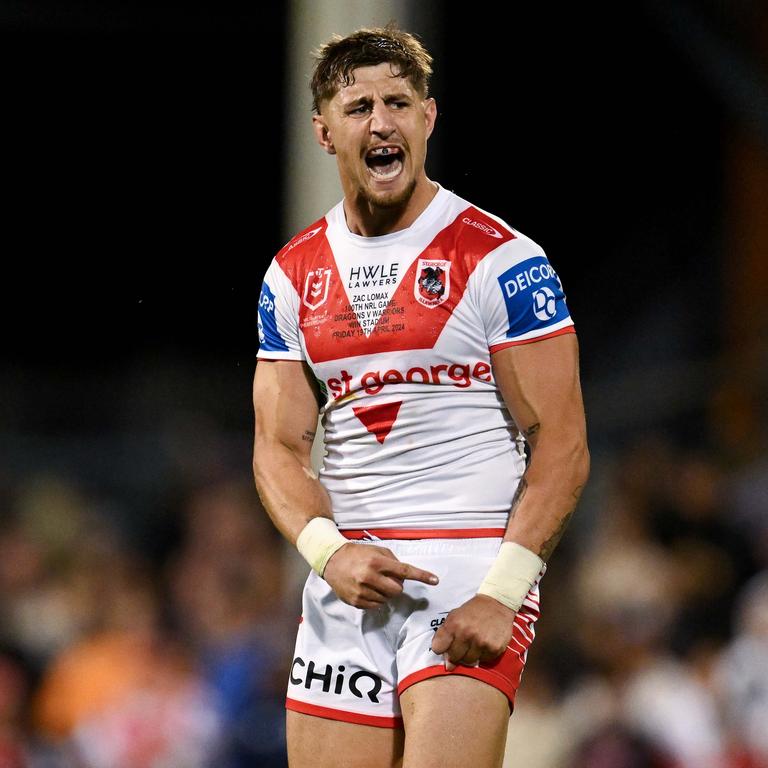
652, 649
653, 641
113, 659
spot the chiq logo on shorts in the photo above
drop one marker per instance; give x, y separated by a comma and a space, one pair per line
361, 683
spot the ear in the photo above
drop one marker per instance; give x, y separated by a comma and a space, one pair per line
430, 114
323, 134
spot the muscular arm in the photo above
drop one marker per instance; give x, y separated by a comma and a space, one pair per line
540, 386
285, 410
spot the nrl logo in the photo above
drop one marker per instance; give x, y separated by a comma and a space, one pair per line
316, 287
433, 282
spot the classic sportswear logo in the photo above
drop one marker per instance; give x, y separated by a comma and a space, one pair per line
483, 227
436, 623
361, 683
303, 239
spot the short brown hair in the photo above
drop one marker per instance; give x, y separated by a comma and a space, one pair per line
336, 60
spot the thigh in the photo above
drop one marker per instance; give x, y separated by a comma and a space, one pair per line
454, 721
315, 742
344, 663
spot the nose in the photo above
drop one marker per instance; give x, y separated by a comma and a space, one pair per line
381, 120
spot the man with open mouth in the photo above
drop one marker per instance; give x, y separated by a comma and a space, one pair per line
435, 343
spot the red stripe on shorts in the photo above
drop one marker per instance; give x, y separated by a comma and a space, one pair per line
425, 533
503, 674
341, 714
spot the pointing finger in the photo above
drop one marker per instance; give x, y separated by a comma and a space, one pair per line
406, 571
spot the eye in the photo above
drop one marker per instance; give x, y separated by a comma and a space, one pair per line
361, 110
399, 104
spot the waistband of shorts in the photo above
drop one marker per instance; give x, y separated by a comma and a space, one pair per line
423, 533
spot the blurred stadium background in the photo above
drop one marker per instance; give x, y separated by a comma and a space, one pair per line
151, 168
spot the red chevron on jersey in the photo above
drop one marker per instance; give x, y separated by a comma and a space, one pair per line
399, 332
422, 304
378, 419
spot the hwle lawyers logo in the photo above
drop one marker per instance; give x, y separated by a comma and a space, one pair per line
316, 287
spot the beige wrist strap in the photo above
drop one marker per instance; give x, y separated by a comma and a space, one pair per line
318, 540
512, 575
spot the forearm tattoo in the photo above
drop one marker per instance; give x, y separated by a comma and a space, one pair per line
308, 436
548, 547
532, 430
522, 487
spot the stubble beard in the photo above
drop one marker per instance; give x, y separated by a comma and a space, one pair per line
388, 200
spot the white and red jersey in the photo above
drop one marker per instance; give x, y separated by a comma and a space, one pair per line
399, 331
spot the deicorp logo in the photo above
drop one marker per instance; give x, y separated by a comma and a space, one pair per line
523, 279
270, 339
533, 296
544, 304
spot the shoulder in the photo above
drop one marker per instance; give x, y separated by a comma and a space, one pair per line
480, 234
302, 244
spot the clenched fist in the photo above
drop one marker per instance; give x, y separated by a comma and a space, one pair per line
478, 630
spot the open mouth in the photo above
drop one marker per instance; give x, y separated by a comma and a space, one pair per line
385, 163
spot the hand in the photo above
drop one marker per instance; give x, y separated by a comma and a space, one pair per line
478, 630
366, 576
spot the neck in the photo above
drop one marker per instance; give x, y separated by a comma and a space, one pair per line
369, 220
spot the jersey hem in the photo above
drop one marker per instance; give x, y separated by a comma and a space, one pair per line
505, 344
276, 356
423, 533
494, 679
329, 713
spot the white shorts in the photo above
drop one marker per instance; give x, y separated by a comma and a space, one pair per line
353, 665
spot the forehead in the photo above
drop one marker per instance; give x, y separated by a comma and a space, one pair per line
379, 79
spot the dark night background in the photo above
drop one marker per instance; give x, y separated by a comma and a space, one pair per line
146, 144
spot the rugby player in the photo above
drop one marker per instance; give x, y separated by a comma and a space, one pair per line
435, 342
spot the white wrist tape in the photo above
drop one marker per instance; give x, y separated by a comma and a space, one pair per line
512, 575
318, 540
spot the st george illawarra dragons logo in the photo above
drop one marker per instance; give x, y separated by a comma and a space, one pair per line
433, 282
